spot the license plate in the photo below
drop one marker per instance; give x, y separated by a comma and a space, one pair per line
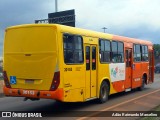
28, 92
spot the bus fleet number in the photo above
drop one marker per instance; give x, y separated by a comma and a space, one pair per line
67, 69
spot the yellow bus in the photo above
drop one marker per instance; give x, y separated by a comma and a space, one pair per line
69, 64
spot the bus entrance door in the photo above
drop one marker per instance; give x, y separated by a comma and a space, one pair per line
128, 69
91, 70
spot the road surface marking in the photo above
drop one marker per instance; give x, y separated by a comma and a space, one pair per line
105, 109
154, 97
145, 104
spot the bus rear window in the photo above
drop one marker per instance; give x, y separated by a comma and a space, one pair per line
73, 49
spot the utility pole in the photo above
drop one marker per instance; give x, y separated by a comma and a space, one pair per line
104, 28
56, 6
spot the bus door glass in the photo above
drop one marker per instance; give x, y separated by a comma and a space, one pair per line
91, 70
151, 66
128, 68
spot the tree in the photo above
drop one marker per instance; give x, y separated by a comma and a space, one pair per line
156, 50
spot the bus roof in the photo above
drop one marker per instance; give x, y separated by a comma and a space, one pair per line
103, 35
68, 29
131, 40
90, 33
85, 32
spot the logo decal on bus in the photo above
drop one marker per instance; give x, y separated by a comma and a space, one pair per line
117, 71
114, 71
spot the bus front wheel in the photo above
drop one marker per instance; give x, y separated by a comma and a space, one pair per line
104, 92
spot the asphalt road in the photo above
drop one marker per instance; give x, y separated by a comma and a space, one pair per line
119, 102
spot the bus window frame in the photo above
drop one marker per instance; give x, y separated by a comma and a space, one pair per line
136, 53
82, 48
144, 53
99, 51
123, 60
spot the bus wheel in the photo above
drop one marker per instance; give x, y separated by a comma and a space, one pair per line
104, 92
143, 84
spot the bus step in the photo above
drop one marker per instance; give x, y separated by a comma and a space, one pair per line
128, 89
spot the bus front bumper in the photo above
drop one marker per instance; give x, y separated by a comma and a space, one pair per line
56, 95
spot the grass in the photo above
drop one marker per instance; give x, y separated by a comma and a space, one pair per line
152, 118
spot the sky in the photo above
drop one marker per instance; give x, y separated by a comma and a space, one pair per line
132, 18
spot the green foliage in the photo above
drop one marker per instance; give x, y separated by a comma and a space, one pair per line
152, 118
156, 50
156, 47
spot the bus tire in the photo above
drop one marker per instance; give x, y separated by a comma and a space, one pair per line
142, 85
104, 92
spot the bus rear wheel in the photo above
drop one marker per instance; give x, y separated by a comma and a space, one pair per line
104, 92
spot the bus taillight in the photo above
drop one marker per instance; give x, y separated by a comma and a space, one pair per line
6, 80
56, 81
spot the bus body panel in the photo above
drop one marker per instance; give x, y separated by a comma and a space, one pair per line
36, 94
137, 69
30, 56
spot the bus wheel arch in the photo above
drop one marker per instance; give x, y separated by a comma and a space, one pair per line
104, 91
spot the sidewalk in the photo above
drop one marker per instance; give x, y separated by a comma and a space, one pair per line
1, 88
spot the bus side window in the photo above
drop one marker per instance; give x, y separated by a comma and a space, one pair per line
120, 52
73, 49
137, 53
114, 51
104, 50
117, 52
144, 53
